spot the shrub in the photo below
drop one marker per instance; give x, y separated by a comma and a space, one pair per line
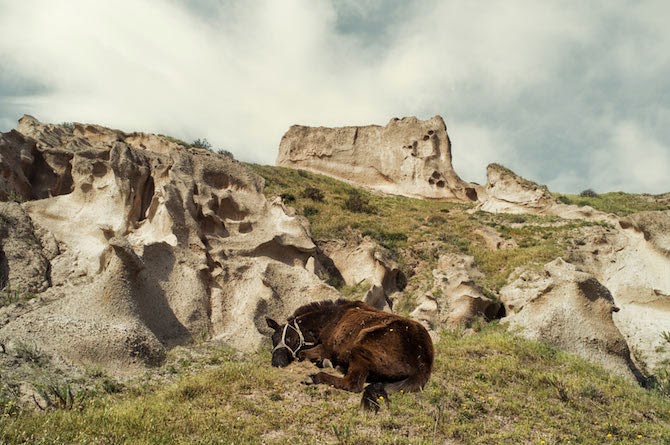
313, 193
201, 143
287, 197
564, 199
225, 153
358, 203
310, 211
588, 193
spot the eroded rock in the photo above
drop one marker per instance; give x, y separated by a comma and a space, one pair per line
571, 310
406, 157
148, 244
455, 299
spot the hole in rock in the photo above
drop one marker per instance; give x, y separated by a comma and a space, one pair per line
440, 184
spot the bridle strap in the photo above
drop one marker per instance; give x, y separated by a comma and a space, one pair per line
301, 338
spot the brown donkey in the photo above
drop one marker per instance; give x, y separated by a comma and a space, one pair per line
390, 352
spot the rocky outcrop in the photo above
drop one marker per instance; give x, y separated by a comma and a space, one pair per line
365, 261
571, 310
142, 244
507, 192
406, 157
455, 300
632, 261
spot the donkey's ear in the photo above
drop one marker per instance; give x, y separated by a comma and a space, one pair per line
272, 324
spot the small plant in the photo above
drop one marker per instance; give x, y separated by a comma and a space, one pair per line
287, 197
313, 193
588, 193
55, 396
665, 335
68, 125
342, 434
564, 199
309, 211
29, 352
201, 143
358, 203
9, 296
225, 153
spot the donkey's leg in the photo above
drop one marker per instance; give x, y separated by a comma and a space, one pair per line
353, 381
315, 353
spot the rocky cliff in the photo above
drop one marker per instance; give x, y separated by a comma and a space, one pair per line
406, 157
133, 243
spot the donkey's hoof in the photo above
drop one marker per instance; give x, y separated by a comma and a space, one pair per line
310, 380
373, 397
325, 363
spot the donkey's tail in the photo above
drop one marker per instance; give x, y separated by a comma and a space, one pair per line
377, 393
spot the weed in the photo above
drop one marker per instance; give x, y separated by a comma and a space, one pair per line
29, 352
55, 395
588, 193
357, 202
665, 335
287, 197
313, 193
201, 143
342, 434
309, 211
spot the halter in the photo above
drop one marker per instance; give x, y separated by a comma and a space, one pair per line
282, 343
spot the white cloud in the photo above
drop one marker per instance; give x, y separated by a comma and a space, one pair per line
632, 161
506, 76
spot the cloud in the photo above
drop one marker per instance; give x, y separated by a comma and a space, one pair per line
533, 85
631, 161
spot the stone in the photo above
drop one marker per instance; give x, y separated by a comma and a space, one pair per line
408, 157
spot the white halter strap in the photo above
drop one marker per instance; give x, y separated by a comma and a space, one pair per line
301, 338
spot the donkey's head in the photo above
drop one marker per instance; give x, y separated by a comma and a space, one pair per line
287, 341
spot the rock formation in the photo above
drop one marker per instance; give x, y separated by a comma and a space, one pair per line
455, 300
632, 260
571, 310
507, 192
138, 243
406, 157
366, 261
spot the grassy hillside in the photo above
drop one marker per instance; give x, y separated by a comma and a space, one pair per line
487, 388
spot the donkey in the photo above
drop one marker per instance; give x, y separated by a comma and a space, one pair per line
390, 352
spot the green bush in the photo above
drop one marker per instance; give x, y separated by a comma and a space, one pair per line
201, 143
287, 197
588, 193
313, 193
358, 203
309, 211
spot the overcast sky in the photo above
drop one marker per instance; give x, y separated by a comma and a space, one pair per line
571, 94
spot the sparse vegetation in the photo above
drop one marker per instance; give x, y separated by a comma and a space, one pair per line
201, 143
588, 193
313, 193
619, 203
358, 202
10, 295
490, 387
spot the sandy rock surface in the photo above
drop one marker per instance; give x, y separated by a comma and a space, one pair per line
407, 157
138, 243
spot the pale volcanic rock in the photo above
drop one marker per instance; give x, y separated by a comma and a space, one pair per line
144, 243
366, 261
633, 262
455, 299
507, 192
408, 157
572, 310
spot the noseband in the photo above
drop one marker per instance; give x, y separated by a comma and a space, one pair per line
302, 342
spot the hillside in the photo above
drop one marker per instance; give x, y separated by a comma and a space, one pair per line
137, 271
488, 386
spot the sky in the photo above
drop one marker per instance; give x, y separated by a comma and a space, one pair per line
571, 94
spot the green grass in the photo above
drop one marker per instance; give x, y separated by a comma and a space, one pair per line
418, 231
619, 203
486, 388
